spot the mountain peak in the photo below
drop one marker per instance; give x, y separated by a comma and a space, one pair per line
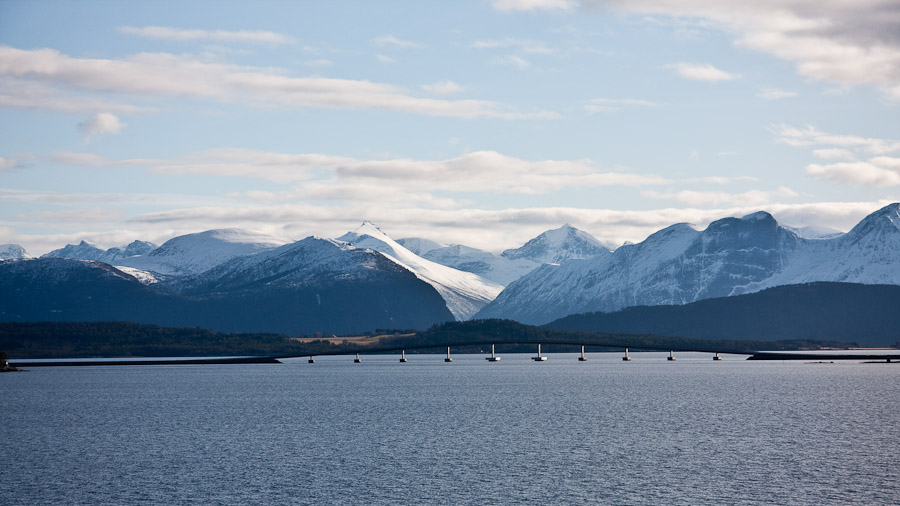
556, 245
758, 216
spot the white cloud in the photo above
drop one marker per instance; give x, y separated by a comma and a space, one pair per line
599, 105
702, 72
161, 74
533, 5
385, 59
775, 94
99, 124
848, 42
524, 45
714, 198
177, 34
8, 163
17, 92
480, 171
321, 62
512, 61
811, 136
880, 171
833, 153
442, 88
391, 41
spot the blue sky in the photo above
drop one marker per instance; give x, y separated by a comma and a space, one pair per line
482, 123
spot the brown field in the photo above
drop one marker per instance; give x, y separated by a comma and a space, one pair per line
360, 340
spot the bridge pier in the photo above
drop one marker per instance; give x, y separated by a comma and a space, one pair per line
493, 357
403, 356
626, 358
448, 359
311, 361
357, 360
671, 355
717, 357
582, 358
539, 357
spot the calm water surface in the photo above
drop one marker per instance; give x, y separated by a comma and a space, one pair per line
650, 431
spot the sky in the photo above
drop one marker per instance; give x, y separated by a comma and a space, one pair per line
481, 122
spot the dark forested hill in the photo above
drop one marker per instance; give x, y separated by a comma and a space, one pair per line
868, 315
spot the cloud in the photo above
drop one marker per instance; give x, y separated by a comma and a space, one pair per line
524, 45
168, 75
811, 136
534, 5
599, 105
480, 171
442, 88
99, 124
29, 94
702, 72
181, 35
321, 62
710, 198
832, 153
880, 171
391, 41
848, 42
512, 61
9, 164
775, 94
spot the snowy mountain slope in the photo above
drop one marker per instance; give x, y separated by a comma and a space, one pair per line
496, 268
13, 252
815, 232
679, 264
87, 251
420, 246
554, 246
464, 292
195, 253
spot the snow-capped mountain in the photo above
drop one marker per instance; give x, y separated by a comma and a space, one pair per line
464, 292
13, 252
195, 253
314, 285
86, 251
680, 264
554, 246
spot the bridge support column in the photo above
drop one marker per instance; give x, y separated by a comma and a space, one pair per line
717, 357
448, 359
539, 357
403, 356
626, 358
582, 358
311, 361
357, 360
671, 355
493, 357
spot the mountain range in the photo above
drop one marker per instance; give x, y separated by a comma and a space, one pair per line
680, 264
235, 279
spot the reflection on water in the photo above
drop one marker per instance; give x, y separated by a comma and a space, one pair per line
648, 431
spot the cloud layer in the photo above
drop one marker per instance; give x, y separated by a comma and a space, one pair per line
170, 76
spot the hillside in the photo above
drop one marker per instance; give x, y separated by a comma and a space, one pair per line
848, 312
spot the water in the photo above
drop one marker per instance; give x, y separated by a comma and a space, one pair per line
649, 431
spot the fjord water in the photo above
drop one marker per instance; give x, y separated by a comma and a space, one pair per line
604, 431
